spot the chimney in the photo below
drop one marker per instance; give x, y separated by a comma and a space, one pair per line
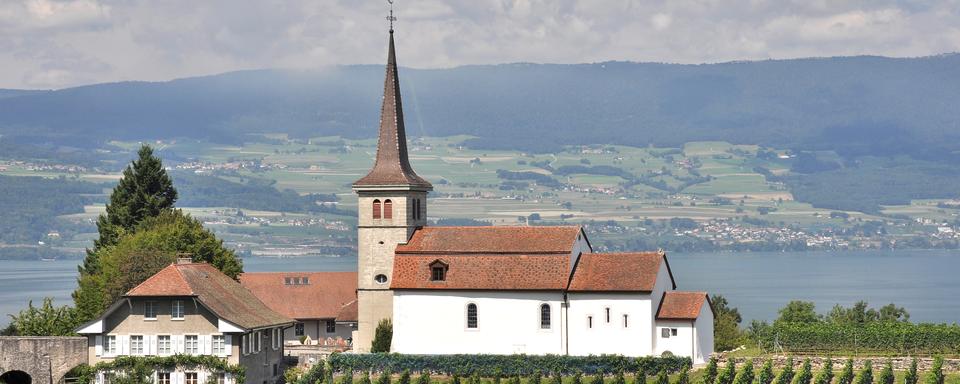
184, 258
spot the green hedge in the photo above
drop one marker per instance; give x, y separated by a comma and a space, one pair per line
885, 336
491, 365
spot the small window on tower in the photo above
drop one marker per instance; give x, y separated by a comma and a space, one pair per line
380, 279
376, 209
387, 209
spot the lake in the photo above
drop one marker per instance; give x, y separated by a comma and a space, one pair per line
926, 283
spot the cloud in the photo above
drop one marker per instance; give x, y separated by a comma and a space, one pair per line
60, 43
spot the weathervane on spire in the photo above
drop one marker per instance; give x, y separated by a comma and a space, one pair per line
391, 18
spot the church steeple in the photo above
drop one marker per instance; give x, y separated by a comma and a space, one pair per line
392, 167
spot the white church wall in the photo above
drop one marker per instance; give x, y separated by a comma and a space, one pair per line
703, 332
434, 322
663, 284
679, 344
610, 337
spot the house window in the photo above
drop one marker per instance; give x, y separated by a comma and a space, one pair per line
190, 378
589, 321
626, 323
288, 280
673, 331
191, 344
219, 345
243, 345
387, 209
150, 310
276, 370
111, 345
472, 316
376, 209
176, 310
163, 377
257, 339
298, 329
163, 345
380, 279
607, 313
331, 326
544, 316
665, 333
438, 273
221, 378
136, 345
305, 280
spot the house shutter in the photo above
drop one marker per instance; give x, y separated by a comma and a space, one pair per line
98, 345
151, 344
205, 347
176, 343
227, 345
123, 345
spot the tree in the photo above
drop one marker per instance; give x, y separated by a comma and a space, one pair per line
154, 244
726, 324
846, 374
911, 376
936, 372
45, 321
745, 376
797, 311
766, 373
144, 190
866, 374
826, 374
382, 337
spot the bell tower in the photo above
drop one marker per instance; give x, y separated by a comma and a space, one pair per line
392, 204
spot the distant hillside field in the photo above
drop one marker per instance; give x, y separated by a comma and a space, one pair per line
854, 106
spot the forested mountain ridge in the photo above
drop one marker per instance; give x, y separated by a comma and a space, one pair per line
851, 105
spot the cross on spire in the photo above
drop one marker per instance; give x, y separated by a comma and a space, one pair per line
391, 18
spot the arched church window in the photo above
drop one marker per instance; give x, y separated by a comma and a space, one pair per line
376, 209
544, 316
387, 209
472, 316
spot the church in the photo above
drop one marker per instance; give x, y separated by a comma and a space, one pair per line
504, 289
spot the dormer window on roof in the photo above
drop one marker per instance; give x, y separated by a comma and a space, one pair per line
296, 280
438, 271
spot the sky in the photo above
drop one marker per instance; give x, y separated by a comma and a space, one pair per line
52, 44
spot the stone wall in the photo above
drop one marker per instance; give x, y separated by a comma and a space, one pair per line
899, 363
41, 356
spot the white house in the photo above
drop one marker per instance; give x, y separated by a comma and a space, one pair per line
504, 290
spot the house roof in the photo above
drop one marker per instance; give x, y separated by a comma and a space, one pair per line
322, 297
392, 167
223, 296
348, 313
483, 272
681, 305
491, 240
618, 272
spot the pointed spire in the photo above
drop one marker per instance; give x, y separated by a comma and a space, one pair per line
392, 167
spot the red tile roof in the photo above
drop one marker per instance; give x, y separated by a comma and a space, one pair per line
617, 272
491, 240
483, 272
223, 296
321, 298
348, 313
681, 305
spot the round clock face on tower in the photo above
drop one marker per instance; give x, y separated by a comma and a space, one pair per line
380, 279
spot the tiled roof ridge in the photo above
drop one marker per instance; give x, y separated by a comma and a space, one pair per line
175, 267
511, 253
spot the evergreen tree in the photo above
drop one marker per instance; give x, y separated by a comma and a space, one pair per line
710, 372
886, 374
786, 375
805, 374
766, 373
846, 374
727, 374
866, 374
144, 190
745, 376
911, 377
662, 377
826, 374
424, 378
383, 336
936, 372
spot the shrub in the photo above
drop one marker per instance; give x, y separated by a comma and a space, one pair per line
382, 337
786, 375
745, 376
497, 375
515, 379
710, 372
509, 365
365, 379
535, 378
911, 376
936, 372
474, 378
886, 374
766, 373
640, 378
662, 378
727, 374
424, 378
866, 374
805, 374
557, 379
826, 374
384, 378
846, 374
577, 378
597, 378
618, 378
455, 379
684, 377
347, 377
